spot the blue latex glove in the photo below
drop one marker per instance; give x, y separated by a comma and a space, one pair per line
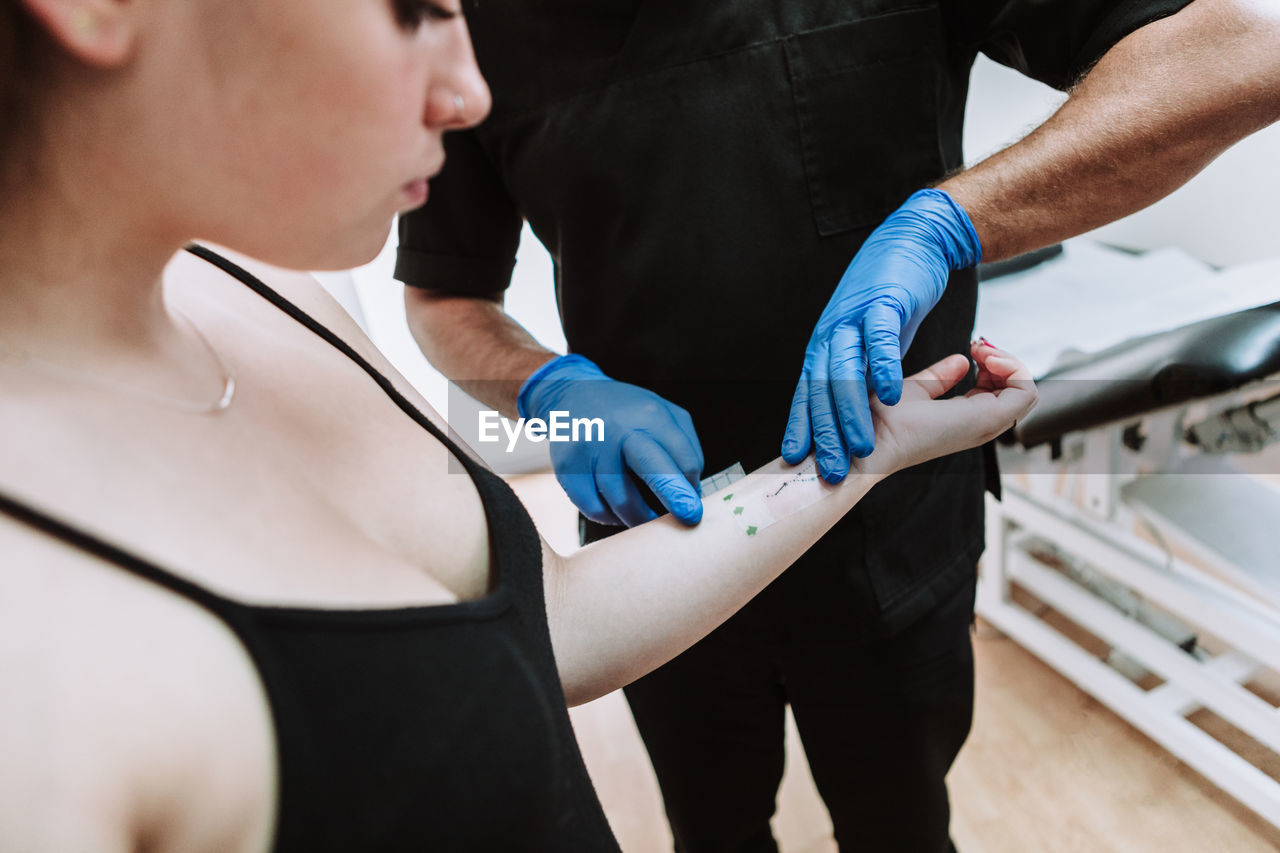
653, 438
893, 282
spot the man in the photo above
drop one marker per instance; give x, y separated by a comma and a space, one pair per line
703, 174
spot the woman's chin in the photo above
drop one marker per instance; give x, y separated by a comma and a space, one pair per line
350, 247
341, 252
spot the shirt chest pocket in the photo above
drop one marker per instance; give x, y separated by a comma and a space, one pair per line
866, 97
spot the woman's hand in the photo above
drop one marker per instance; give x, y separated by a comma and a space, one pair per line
921, 427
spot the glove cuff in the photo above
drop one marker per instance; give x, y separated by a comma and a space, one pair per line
950, 225
579, 365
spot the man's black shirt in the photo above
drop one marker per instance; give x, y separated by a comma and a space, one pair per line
703, 172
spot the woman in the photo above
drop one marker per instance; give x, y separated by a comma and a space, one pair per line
236, 613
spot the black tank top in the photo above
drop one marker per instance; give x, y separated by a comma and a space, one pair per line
441, 727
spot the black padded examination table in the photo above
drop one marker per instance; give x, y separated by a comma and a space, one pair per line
1146, 535
1164, 369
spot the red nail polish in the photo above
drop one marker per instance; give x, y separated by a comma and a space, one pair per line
988, 343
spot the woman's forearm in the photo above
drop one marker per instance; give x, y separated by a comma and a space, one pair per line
621, 607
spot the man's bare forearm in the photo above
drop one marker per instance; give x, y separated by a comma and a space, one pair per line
474, 343
1154, 111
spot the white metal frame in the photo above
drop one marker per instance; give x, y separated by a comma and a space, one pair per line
1090, 523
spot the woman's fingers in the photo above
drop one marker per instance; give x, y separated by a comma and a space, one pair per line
939, 377
1004, 382
925, 427
995, 366
981, 416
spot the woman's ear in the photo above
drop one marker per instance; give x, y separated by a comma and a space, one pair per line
97, 32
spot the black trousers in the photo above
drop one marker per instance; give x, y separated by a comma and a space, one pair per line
881, 718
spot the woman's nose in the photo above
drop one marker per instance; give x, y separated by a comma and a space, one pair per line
471, 100
461, 99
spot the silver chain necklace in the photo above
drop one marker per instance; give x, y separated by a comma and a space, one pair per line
23, 358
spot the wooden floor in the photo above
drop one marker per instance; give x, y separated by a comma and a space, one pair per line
1046, 770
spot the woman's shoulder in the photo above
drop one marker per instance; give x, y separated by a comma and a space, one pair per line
127, 707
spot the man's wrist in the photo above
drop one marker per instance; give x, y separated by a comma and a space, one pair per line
526, 404
949, 225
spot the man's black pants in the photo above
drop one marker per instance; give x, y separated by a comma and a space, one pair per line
881, 718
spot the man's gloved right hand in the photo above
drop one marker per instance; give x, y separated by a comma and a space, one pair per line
652, 437
895, 279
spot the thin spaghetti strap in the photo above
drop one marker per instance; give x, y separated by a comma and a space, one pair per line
266, 292
509, 545
91, 544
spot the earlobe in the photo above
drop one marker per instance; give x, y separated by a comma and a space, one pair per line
97, 32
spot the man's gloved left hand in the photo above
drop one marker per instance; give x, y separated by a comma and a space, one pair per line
644, 435
896, 278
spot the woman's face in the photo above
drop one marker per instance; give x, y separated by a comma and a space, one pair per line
306, 124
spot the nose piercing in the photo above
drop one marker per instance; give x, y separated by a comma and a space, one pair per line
459, 104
